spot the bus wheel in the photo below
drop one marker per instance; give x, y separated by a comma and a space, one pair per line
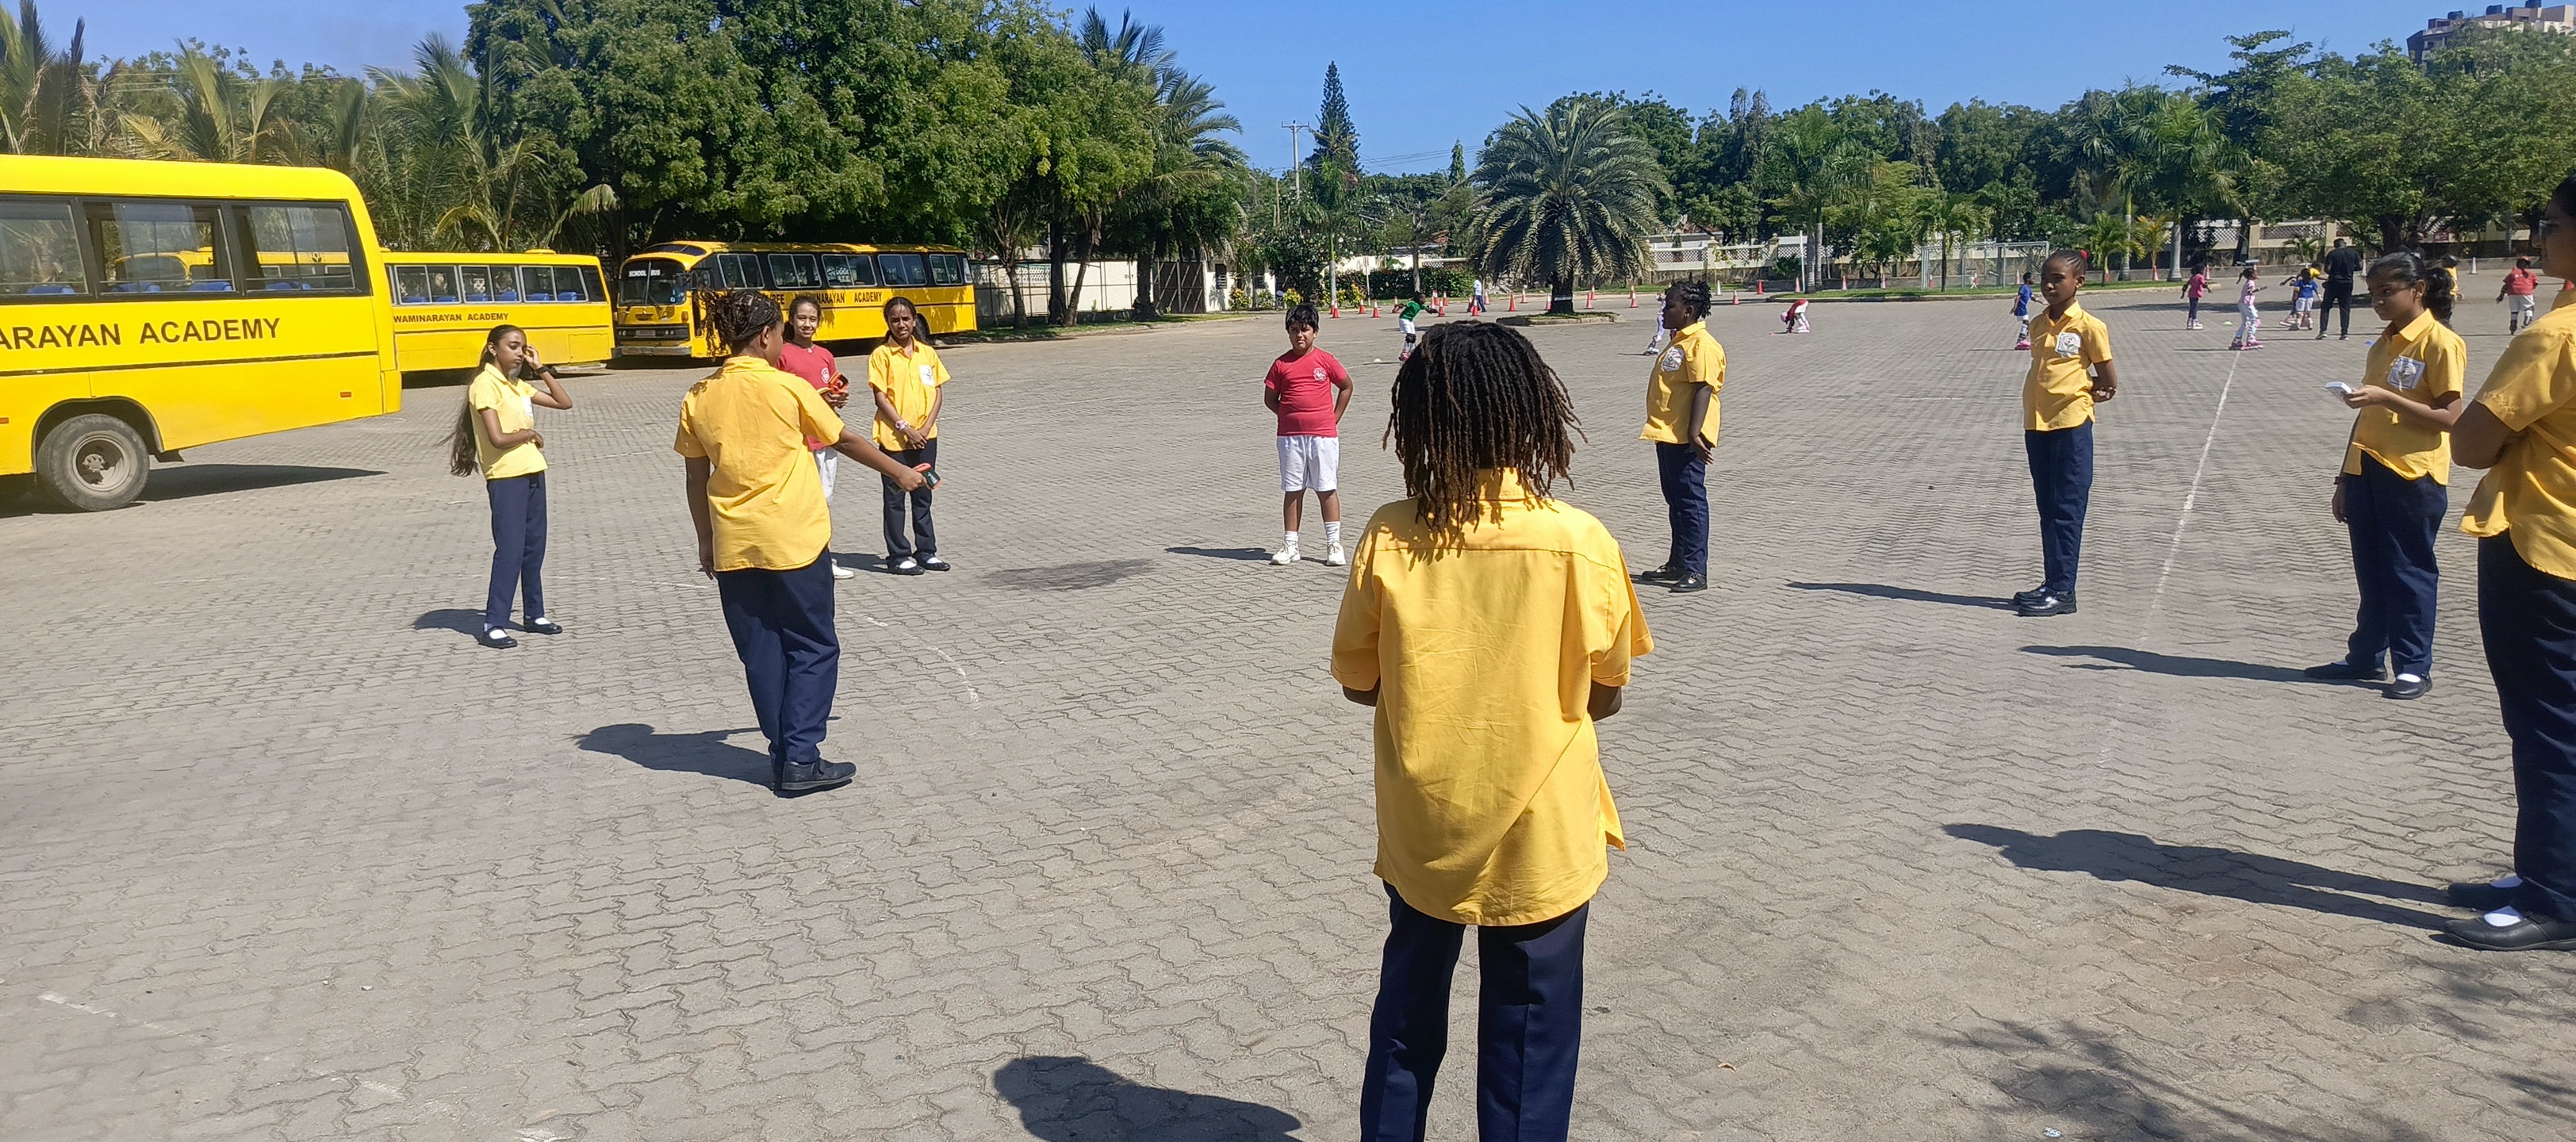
91, 463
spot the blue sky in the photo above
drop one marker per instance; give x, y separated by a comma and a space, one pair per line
1423, 75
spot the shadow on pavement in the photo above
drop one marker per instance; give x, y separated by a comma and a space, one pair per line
1908, 594
704, 752
2178, 665
1070, 576
185, 481
1076, 1100
2209, 871
458, 619
1241, 554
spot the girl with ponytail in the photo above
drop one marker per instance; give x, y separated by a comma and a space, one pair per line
496, 433
2392, 490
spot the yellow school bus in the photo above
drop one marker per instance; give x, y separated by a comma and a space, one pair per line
659, 291
445, 304
147, 307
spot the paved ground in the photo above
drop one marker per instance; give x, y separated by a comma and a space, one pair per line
284, 854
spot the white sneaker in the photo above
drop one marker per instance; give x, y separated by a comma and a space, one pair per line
840, 572
1333, 556
1285, 556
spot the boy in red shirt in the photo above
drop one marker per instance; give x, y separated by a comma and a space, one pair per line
814, 363
1309, 390
2520, 295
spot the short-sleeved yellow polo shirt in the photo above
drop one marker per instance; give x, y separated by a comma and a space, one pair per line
909, 380
2423, 362
513, 403
1692, 359
2531, 492
2058, 393
750, 422
1483, 647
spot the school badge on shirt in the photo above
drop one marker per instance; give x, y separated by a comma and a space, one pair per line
2070, 343
929, 377
1672, 361
2405, 373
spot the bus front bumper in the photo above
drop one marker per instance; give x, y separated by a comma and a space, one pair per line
654, 351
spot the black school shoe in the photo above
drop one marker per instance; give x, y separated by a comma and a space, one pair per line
543, 626
2408, 687
2026, 598
1689, 583
2049, 603
2481, 895
1664, 574
808, 778
496, 638
2347, 670
2528, 934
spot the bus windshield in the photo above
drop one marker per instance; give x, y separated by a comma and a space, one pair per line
652, 281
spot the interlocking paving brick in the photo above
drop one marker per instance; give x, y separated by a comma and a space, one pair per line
288, 856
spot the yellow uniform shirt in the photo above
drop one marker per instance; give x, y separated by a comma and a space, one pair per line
1693, 359
2058, 393
750, 421
909, 381
2531, 492
513, 402
1483, 647
2423, 362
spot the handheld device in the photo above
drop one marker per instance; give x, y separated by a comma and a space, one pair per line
2341, 388
929, 475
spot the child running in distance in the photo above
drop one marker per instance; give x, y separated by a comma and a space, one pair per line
1405, 315
2303, 296
2393, 488
2192, 291
2249, 322
814, 363
1490, 626
1309, 391
2021, 313
496, 431
2520, 296
910, 383
2070, 370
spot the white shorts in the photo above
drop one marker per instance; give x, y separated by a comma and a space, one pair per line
1310, 463
2303, 305
2521, 304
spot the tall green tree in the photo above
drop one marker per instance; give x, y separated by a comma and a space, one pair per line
1337, 139
1567, 197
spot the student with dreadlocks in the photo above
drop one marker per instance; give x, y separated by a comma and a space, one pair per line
764, 534
2070, 370
1490, 624
1681, 418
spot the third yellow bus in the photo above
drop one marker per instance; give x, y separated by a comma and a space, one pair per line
445, 304
658, 290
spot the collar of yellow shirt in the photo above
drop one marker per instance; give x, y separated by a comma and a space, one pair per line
2416, 329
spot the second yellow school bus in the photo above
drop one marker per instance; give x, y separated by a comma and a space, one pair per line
147, 307
445, 304
658, 290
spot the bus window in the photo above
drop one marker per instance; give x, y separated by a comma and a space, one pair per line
157, 247
442, 285
947, 270
849, 271
505, 283
302, 247
738, 271
652, 281
568, 285
592, 286
477, 282
39, 250
794, 271
411, 285
903, 270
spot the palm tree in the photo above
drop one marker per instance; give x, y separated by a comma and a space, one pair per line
48, 102
203, 111
1813, 164
1954, 216
484, 194
1566, 196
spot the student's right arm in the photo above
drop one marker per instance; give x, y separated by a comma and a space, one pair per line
865, 451
491, 420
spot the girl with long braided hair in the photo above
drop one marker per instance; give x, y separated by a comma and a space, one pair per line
1490, 625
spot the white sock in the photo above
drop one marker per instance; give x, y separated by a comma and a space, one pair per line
1333, 532
1291, 541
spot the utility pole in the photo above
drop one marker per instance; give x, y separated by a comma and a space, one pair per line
1296, 174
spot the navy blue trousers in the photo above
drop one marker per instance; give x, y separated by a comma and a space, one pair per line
1685, 478
2393, 521
898, 502
791, 653
2061, 473
518, 546
2528, 618
1529, 1026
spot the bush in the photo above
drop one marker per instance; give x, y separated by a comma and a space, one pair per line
1389, 285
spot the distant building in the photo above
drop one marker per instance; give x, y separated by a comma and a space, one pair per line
2437, 32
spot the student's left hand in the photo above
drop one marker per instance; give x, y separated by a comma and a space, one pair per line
707, 558
2104, 389
1704, 447
837, 398
2367, 396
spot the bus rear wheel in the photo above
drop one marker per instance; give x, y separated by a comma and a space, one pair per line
92, 463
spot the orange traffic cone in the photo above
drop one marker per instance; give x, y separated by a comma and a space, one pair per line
1632, 295
1337, 307
1515, 306
1757, 287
